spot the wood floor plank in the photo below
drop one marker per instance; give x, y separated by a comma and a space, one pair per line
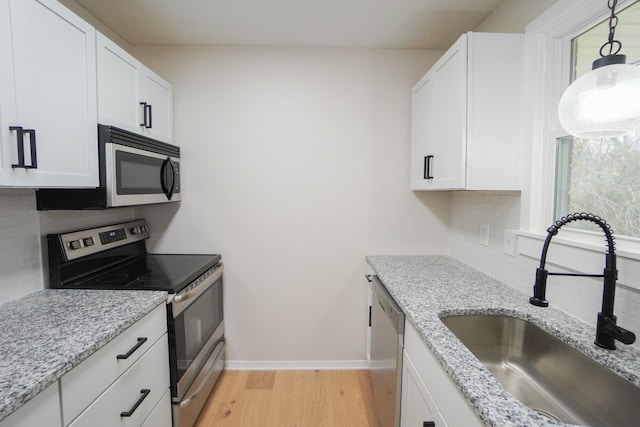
220, 410
347, 401
260, 380
367, 397
290, 399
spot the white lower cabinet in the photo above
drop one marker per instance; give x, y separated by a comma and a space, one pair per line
130, 400
124, 382
42, 411
418, 407
428, 391
161, 414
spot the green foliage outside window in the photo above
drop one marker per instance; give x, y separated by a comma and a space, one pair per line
601, 176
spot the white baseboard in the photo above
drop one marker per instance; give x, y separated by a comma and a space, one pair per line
268, 365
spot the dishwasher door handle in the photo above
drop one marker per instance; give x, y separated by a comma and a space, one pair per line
388, 305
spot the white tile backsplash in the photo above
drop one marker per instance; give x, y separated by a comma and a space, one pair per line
22, 234
580, 297
20, 267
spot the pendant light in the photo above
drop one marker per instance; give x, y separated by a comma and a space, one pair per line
606, 101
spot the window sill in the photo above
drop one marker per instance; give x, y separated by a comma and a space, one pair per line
580, 256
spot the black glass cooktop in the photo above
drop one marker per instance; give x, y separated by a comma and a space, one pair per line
167, 272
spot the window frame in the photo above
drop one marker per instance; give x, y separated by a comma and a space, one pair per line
547, 56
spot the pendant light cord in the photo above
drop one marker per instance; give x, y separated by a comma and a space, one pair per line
613, 22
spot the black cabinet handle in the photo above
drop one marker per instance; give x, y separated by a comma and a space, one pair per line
427, 167
141, 340
20, 131
145, 392
428, 424
368, 277
144, 114
150, 124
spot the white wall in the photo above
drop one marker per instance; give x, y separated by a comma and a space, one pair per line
512, 16
295, 165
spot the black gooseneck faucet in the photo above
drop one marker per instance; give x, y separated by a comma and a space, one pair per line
607, 331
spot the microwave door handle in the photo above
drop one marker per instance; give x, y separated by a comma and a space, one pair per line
164, 178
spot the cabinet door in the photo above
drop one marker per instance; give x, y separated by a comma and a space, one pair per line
119, 86
418, 407
449, 162
423, 141
53, 83
158, 94
440, 392
7, 98
42, 411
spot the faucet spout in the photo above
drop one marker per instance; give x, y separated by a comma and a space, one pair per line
607, 331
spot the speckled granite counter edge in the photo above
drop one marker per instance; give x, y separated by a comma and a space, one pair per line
48, 333
430, 287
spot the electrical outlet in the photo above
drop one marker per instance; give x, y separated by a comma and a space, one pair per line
484, 234
509, 247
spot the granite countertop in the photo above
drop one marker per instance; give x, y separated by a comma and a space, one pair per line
430, 287
46, 334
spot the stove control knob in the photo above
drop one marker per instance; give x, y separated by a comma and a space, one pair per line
88, 241
75, 244
136, 230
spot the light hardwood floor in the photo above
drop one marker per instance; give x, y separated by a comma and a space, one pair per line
290, 399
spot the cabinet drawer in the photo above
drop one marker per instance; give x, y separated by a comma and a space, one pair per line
161, 414
137, 392
453, 406
83, 384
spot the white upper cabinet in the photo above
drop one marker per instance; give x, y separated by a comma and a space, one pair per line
158, 94
48, 133
131, 96
466, 122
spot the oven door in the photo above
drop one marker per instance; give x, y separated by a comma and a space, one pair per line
196, 331
135, 176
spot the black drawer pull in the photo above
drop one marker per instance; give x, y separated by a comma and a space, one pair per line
429, 424
20, 131
141, 340
145, 392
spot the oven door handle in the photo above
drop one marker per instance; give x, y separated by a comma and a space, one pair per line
180, 301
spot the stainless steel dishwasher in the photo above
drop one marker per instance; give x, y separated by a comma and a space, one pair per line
387, 340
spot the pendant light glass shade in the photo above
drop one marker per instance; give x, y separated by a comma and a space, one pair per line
603, 103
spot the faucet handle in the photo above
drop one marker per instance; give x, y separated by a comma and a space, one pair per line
607, 332
623, 335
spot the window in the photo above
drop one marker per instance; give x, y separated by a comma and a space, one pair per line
601, 176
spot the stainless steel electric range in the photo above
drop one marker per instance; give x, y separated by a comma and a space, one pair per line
115, 257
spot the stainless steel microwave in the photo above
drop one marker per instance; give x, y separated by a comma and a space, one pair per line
134, 170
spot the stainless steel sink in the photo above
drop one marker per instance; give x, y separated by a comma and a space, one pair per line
546, 374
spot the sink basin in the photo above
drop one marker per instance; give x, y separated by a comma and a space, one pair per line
546, 374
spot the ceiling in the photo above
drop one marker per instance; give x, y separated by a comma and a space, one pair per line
426, 24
